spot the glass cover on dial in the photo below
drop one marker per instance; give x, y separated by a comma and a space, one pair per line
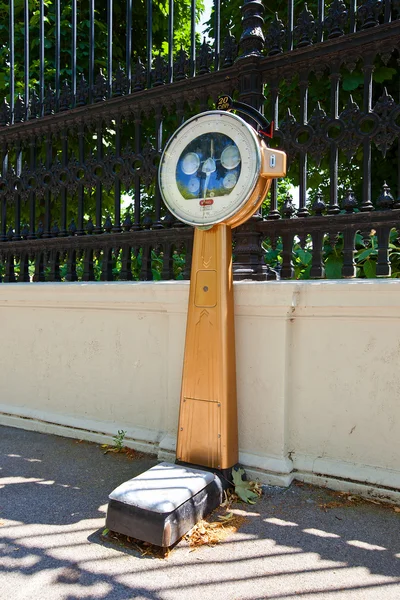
190, 163
209, 168
208, 177
230, 157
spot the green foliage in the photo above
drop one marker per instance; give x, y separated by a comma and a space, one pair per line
182, 13
365, 256
243, 488
118, 439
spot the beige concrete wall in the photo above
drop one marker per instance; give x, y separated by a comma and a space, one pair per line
317, 362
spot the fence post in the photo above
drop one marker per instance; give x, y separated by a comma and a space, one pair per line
248, 253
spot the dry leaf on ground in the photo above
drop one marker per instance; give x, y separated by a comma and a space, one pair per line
210, 534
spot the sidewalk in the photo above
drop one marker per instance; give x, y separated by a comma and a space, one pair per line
300, 542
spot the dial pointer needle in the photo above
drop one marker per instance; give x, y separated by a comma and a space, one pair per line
209, 167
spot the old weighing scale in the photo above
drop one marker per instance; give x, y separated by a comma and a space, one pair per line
214, 174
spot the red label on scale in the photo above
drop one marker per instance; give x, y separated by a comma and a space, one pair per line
206, 202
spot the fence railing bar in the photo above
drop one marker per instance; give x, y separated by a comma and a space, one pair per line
388, 11
73, 50
353, 16
171, 41
117, 183
368, 69
290, 24
149, 40
109, 47
137, 194
47, 194
397, 203
57, 47
193, 38
12, 59
217, 27
320, 20
64, 162
81, 189
99, 188
41, 56
91, 49
157, 195
303, 211
26, 57
18, 165
334, 152
128, 58
32, 194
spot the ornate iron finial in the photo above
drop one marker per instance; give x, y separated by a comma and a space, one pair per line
25, 232
108, 224
49, 101
385, 200
127, 224
318, 205
139, 76
100, 87
19, 110
65, 96
205, 58
160, 71
336, 19
5, 113
305, 28
120, 82
252, 39
181, 65
289, 210
168, 220
34, 107
10, 233
368, 13
89, 226
55, 230
349, 201
82, 91
40, 230
229, 50
72, 227
275, 36
147, 221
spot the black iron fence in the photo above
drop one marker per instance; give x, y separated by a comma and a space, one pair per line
93, 91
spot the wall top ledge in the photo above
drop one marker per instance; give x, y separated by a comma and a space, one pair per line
172, 296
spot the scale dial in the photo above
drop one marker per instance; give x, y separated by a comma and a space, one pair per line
209, 168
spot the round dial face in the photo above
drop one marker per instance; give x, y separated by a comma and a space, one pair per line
209, 168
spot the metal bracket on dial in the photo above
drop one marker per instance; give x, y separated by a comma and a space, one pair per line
266, 128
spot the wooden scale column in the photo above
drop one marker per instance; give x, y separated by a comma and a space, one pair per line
214, 174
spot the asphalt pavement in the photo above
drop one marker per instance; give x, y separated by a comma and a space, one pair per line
299, 542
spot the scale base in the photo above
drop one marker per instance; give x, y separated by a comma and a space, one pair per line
162, 504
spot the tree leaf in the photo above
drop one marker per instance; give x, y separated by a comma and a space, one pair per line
333, 267
370, 269
243, 488
351, 81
